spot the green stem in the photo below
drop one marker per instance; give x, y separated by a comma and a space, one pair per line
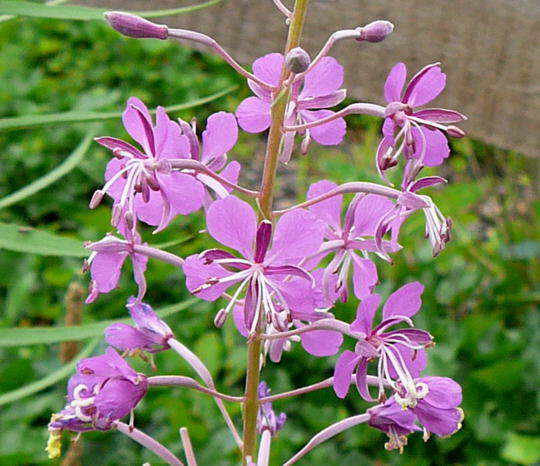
271, 160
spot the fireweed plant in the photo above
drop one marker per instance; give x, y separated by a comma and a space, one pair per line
278, 273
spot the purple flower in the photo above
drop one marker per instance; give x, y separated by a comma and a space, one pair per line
395, 421
434, 401
318, 89
400, 353
107, 259
349, 241
142, 184
104, 389
269, 258
149, 334
266, 418
415, 133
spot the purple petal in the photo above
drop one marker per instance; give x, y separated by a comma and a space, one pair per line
443, 422
114, 143
364, 276
343, 372
329, 210
415, 360
105, 270
150, 212
253, 115
361, 380
183, 191
299, 295
138, 124
369, 211
426, 182
198, 273
297, 234
175, 145
425, 86
365, 314
406, 301
322, 342
233, 223
118, 398
231, 172
443, 392
327, 134
440, 115
262, 241
268, 68
113, 167
139, 262
437, 148
415, 335
238, 317
326, 101
288, 270
323, 79
394, 83
220, 135
125, 337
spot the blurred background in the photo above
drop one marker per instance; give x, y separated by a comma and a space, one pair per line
481, 292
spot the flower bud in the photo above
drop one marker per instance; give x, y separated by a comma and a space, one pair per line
297, 60
96, 199
376, 31
220, 318
134, 26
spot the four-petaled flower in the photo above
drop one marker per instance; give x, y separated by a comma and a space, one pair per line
400, 353
269, 262
415, 133
318, 89
266, 418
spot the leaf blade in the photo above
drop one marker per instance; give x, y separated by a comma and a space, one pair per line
54, 175
31, 121
17, 336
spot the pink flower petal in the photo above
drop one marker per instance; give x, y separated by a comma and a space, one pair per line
425, 86
197, 273
437, 148
329, 210
133, 124
443, 392
369, 211
233, 223
365, 314
415, 361
253, 115
268, 68
440, 115
364, 276
149, 212
297, 234
343, 372
322, 342
406, 301
324, 78
325, 101
231, 172
113, 167
327, 134
183, 191
394, 83
220, 135
105, 270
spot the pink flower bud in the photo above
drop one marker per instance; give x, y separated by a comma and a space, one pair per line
96, 199
220, 318
134, 26
297, 60
376, 31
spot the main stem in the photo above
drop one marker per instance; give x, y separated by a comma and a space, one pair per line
271, 160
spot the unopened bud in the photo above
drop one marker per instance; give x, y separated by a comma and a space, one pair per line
297, 60
455, 132
135, 26
376, 31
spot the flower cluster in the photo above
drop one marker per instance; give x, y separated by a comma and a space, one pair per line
279, 273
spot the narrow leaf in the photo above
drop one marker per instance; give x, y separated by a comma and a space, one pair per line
31, 121
20, 336
83, 13
25, 239
54, 175
51, 379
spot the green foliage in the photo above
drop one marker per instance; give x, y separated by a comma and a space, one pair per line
480, 300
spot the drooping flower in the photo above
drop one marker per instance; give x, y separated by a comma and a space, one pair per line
418, 134
395, 421
318, 90
269, 258
399, 353
107, 259
142, 183
266, 418
150, 334
349, 241
435, 402
104, 389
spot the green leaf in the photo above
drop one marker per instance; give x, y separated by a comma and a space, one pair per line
83, 13
25, 239
51, 379
31, 121
522, 449
18, 336
54, 175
